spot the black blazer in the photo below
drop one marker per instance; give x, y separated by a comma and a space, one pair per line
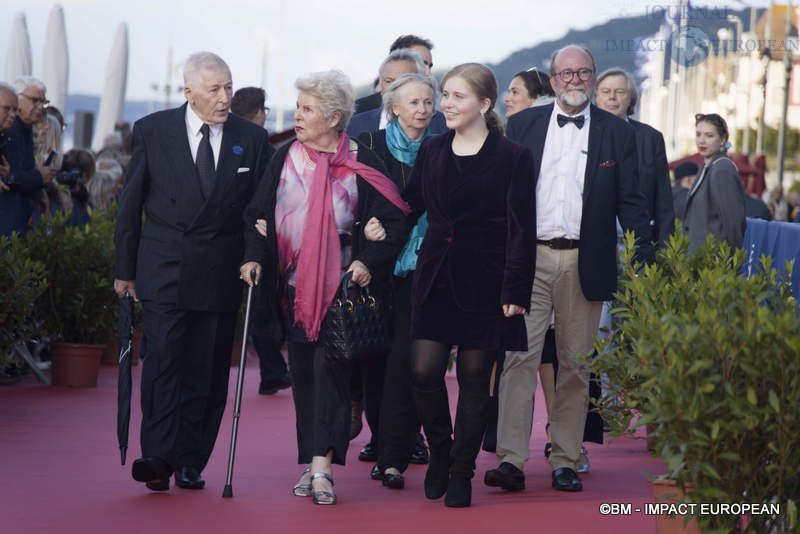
188, 252
376, 255
654, 181
610, 190
482, 223
370, 121
16, 205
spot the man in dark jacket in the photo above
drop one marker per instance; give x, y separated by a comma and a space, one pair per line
25, 179
586, 177
617, 94
192, 172
249, 103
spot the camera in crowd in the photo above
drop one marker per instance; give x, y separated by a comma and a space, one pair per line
70, 173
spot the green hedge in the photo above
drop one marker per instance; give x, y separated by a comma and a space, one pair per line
22, 282
711, 359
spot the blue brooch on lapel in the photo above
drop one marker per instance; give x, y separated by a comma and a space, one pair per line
238, 150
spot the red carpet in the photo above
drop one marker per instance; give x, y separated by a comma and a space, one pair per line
61, 474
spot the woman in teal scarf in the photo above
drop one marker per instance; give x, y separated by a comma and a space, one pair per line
409, 106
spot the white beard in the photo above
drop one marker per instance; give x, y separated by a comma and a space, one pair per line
573, 98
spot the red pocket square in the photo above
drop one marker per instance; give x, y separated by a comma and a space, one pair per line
609, 163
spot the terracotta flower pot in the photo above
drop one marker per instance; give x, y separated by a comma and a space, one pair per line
668, 524
111, 354
75, 365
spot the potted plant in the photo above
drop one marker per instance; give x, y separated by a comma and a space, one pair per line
22, 281
79, 306
710, 358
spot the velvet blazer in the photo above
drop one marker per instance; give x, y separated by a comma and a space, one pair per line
482, 223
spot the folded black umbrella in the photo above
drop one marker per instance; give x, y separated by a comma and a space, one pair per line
125, 326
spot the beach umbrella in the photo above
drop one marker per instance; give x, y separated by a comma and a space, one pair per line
113, 99
55, 63
125, 327
19, 60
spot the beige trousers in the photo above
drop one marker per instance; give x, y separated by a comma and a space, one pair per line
556, 288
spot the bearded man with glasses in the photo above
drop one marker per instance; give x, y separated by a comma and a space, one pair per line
586, 176
25, 178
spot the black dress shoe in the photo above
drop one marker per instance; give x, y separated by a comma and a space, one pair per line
394, 481
375, 474
565, 479
189, 478
150, 469
368, 454
506, 476
270, 387
420, 454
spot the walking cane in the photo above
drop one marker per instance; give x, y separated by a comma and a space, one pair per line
227, 493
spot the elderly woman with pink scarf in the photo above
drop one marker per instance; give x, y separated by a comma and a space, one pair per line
312, 204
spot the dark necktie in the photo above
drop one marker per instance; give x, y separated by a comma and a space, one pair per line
205, 163
563, 119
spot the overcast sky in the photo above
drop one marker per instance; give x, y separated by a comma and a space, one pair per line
300, 36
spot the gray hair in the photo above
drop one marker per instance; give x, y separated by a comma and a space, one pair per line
23, 82
333, 90
633, 91
582, 48
392, 95
404, 54
202, 61
8, 87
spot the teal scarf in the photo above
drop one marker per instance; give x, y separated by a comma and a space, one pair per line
405, 151
402, 148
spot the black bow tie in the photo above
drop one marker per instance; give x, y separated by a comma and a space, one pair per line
563, 119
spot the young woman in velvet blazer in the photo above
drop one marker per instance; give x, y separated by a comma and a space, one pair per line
474, 273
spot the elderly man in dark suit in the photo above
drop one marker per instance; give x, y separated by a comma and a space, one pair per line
399, 62
192, 171
617, 94
23, 178
586, 177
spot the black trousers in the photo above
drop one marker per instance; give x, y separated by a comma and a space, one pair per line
184, 382
270, 359
321, 392
399, 424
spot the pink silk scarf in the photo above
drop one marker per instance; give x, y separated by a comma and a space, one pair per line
319, 266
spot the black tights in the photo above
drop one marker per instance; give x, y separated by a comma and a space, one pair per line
430, 358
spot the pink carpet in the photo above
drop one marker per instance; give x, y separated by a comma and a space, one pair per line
61, 474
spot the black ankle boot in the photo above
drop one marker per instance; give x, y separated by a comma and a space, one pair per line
434, 414
459, 490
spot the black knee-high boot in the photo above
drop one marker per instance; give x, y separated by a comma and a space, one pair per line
471, 416
434, 414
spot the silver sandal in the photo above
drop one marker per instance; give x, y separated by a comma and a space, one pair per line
302, 489
323, 493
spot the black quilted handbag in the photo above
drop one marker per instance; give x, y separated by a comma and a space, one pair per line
355, 326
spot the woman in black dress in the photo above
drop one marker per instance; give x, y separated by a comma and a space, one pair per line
474, 272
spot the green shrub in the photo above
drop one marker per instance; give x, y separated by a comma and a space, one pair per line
79, 304
711, 359
22, 282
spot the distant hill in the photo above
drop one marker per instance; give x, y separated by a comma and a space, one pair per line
604, 42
